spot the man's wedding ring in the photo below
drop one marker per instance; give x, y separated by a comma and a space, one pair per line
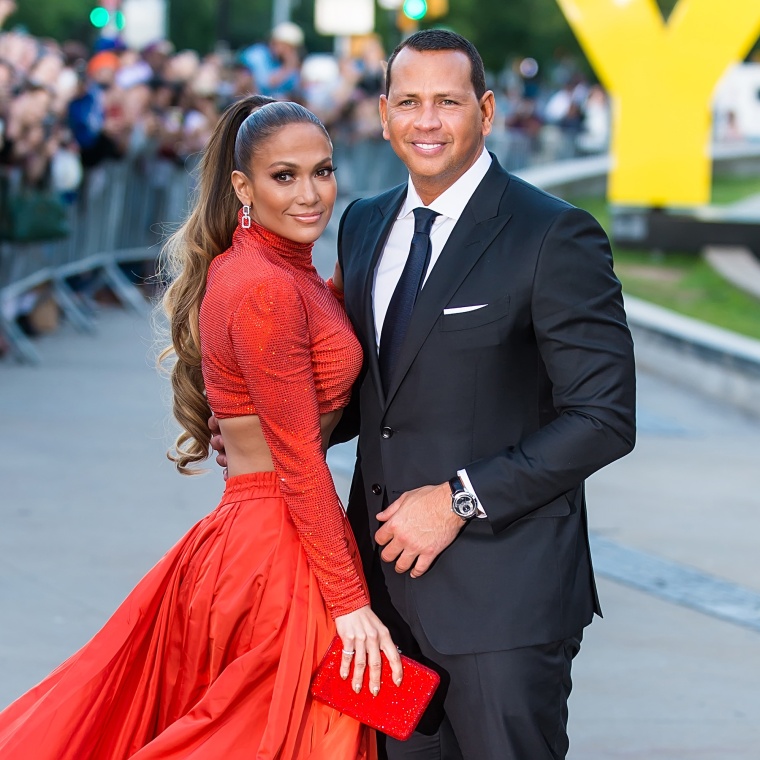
351, 653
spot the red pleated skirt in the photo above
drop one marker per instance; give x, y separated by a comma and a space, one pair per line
210, 656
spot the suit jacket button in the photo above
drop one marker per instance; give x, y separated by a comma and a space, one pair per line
386, 432
377, 489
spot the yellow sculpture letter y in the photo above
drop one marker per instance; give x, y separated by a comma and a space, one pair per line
661, 78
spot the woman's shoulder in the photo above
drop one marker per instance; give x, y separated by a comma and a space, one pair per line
253, 279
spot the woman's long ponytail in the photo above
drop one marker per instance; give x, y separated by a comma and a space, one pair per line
186, 258
208, 231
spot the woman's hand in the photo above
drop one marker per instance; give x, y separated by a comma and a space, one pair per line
364, 637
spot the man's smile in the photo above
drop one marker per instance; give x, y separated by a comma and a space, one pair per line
429, 148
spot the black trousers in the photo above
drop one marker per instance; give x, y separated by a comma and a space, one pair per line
504, 705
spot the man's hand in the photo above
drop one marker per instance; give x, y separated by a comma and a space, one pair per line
419, 525
217, 443
337, 277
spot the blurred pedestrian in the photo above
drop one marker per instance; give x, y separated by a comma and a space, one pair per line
276, 65
95, 114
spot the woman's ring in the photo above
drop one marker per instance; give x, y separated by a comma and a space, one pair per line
351, 653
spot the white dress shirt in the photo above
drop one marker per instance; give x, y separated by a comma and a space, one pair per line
450, 205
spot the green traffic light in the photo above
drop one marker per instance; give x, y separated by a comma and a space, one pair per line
99, 17
415, 9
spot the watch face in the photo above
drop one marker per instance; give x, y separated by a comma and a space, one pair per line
464, 505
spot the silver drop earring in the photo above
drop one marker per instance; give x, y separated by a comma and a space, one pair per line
246, 220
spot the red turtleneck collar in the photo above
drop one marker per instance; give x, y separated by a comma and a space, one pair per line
297, 254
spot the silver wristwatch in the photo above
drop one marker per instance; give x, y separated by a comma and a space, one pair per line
463, 502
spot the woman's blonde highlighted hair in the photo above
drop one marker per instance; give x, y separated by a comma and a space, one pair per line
187, 254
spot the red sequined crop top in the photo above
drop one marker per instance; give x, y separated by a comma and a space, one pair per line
275, 342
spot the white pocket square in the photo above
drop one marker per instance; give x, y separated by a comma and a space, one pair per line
463, 309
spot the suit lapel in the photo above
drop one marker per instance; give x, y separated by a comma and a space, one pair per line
480, 223
378, 229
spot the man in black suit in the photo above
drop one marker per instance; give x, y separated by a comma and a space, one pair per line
499, 375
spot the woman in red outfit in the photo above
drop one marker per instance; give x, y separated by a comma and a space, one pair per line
212, 654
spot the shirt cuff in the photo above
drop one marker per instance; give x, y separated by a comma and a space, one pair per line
468, 486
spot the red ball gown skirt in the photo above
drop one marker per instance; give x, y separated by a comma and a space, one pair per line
211, 656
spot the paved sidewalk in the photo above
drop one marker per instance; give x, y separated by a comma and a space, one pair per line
88, 503
656, 680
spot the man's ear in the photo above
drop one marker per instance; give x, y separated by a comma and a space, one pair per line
488, 111
242, 187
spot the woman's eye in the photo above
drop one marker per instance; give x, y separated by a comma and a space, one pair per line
325, 171
282, 176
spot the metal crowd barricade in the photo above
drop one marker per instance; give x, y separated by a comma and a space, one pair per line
122, 213
370, 166
125, 209
367, 167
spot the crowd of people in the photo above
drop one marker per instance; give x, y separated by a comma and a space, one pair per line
64, 107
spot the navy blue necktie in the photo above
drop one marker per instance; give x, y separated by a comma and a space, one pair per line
402, 302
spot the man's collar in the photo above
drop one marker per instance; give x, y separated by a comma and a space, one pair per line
452, 201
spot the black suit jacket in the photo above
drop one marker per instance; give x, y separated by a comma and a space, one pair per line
531, 394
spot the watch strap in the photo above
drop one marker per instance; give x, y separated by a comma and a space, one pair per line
456, 485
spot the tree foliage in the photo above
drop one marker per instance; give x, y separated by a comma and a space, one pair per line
192, 24
59, 19
666, 6
504, 30
200, 24
501, 29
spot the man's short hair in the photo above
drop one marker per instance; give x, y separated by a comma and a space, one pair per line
443, 39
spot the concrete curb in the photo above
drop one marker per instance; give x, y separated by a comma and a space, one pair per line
713, 361
588, 175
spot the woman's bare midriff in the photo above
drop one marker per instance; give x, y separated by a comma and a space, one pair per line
246, 448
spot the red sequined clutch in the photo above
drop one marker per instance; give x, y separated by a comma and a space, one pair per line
395, 711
